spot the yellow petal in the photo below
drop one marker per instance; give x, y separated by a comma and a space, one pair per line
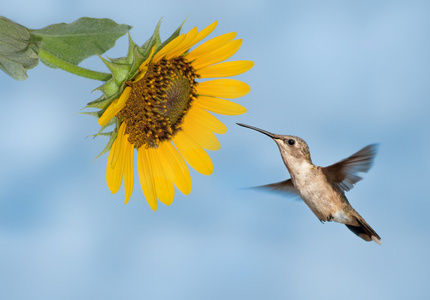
119, 146
195, 156
171, 46
201, 135
115, 171
146, 177
110, 174
141, 75
186, 44
119, 167
205, 32
205, 119
223, 88
219, 106
221, 54
114, 107
211, 45
226, 69
128, 171
162, 175
181, 174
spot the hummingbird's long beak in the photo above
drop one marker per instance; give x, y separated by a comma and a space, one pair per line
272, 135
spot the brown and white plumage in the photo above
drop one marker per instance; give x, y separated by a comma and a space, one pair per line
323, 188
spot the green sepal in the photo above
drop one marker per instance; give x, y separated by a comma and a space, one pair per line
103, 102
109, 144
119, 71
91, 113
126, 60
131, 46
140, 54
102, 129
153, 40
172, 37
102, 134
138, 59
108, 88
99, 103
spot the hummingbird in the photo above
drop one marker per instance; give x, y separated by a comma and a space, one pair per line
323, 188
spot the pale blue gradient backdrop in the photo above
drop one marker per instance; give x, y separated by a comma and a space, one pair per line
339, 74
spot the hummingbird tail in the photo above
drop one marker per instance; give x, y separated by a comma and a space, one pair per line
364, 231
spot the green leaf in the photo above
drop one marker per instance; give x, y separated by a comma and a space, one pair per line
81, 39
18, 53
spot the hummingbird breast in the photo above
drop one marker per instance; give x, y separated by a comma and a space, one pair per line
318, 193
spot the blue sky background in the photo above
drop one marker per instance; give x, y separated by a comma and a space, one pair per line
339, 74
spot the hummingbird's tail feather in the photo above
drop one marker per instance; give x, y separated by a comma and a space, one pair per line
364, 231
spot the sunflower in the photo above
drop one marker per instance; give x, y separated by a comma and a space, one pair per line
160, 109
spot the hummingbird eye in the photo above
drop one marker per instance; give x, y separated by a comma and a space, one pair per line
291, 142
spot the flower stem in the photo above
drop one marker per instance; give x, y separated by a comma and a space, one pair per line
55, 61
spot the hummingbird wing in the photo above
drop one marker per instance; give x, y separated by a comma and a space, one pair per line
285, 186
344, 172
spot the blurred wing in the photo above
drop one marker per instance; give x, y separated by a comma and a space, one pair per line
283, 187
344, 173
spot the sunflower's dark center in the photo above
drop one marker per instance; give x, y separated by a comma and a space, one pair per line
159, 101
